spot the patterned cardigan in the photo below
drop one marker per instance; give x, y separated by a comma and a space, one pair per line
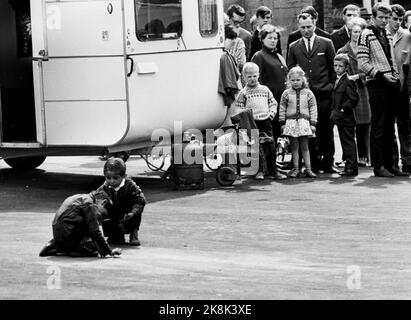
371, 56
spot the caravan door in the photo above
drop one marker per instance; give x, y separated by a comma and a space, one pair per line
79, 72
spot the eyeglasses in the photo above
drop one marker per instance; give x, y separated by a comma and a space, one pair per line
237, 22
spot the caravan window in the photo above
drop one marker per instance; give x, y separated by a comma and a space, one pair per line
208, 17
158, 19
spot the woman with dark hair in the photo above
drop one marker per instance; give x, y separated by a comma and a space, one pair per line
273, 68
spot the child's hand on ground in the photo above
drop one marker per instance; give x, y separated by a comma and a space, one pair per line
115, 253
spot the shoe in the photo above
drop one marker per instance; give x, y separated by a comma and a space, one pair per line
259, 176
406, 169
398, 173
383, 173
362, 162
340, 164
134, 239
349, 173
293, 173
310, 174
50, 249
331, 170
277, 176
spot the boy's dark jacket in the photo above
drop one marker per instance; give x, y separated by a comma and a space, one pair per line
77, 218
129, 199
345, 98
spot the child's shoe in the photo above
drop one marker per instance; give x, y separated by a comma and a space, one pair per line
310, 174
259, 176
134, 239
293, 173
50, 249
277, 176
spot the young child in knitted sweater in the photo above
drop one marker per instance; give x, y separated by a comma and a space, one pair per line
261, 101
298, 117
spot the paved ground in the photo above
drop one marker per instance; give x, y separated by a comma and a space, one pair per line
331, 238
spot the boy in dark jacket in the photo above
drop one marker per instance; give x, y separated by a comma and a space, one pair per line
76, 231
345, 98
127, 206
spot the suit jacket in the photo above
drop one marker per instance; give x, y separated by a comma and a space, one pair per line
318, 66
256, 44
402, 43
340, 38
296, 35
345, 98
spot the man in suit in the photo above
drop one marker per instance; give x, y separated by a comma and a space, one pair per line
236, 16
402, 51
315, 55
343, 35
376, 59
296, 35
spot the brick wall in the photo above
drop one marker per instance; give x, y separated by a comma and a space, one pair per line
284, 13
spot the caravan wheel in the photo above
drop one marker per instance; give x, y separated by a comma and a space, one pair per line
25, 163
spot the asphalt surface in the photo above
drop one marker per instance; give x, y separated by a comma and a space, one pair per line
333, 238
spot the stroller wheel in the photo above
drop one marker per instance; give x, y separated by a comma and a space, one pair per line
213, 161
226, 176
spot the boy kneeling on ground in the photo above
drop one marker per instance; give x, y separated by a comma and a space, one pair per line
76, 231
127, 206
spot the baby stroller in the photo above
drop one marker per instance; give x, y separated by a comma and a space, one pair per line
239, 148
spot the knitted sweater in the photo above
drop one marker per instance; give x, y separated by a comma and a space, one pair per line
372, 59
260, 100
298, 104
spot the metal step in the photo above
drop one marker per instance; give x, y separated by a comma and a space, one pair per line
20, 145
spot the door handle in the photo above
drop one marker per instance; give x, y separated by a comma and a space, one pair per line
129, 73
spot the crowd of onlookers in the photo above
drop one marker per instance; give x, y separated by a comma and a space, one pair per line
356, 78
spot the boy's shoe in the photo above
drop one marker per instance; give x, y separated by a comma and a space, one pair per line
259, 176
50, 249
310, 174
293, 173
398, 173
134, 239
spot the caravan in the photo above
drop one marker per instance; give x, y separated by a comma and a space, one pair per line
77, 77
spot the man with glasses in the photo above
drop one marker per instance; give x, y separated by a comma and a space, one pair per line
342, 36
236, 15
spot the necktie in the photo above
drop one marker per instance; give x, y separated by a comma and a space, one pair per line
309, 46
